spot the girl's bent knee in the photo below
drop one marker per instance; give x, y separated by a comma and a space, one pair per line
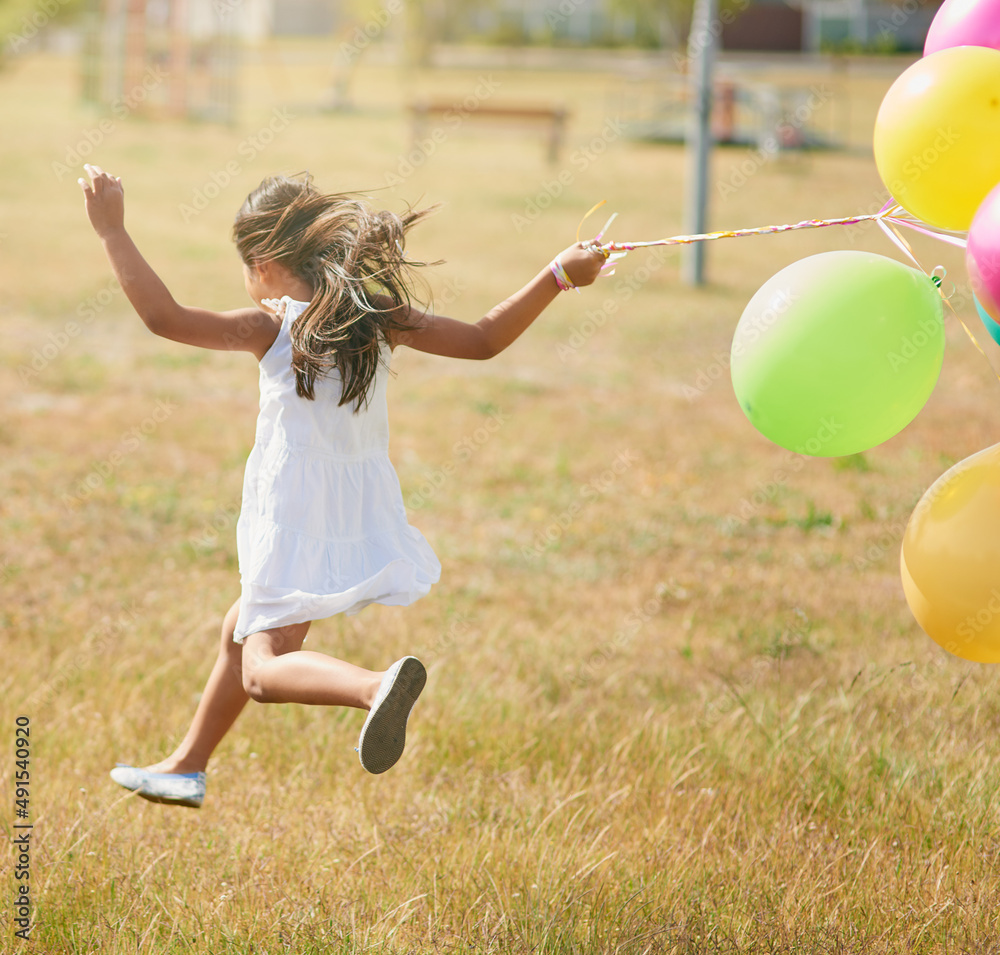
254, 688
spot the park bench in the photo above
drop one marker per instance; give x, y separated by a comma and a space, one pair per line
551, 119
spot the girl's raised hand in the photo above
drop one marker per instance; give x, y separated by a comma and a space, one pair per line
582, 263
104, 198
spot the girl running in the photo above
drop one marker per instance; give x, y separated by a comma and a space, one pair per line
322, 529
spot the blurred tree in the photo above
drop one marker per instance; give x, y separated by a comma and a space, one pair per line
436, 21
362, 23
657, 22
22, 21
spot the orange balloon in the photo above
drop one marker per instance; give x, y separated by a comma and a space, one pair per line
950, 559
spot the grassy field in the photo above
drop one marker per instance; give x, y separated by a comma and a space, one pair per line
648, 727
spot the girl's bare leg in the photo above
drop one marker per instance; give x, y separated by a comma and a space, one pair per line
277, 670
221, 702
269, 667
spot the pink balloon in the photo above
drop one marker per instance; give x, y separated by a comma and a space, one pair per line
982, 253
964, 23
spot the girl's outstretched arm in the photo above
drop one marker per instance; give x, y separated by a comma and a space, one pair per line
505, 322
246, 329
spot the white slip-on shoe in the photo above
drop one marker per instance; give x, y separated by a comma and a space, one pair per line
384, 734
175, 789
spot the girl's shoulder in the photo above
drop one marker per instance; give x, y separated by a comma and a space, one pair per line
286, 307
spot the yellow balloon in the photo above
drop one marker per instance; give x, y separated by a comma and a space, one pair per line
937, 133
950, 559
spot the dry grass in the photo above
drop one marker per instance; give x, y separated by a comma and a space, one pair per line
646, 731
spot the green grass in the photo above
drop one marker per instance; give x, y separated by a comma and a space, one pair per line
699, 718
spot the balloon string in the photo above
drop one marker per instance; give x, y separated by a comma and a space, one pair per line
587, 215
888, 213
735, 233
889, 218
889, 224
972, 338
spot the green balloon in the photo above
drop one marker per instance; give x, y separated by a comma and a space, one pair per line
838, 352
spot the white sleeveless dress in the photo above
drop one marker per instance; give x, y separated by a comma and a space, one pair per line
323, 529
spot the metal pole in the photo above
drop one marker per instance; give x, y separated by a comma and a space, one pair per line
180, 59
701, 59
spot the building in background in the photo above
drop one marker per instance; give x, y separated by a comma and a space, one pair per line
865, 25
764, 25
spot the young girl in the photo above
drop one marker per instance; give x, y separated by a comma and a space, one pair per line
322, 529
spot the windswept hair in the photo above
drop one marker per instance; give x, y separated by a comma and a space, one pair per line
352, 256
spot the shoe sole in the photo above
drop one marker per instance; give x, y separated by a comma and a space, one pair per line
129, 783
167, 801
383, 737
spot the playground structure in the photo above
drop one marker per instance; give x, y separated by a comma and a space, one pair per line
176, 58
744, 112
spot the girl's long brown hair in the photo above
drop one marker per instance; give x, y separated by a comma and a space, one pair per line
352, 256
